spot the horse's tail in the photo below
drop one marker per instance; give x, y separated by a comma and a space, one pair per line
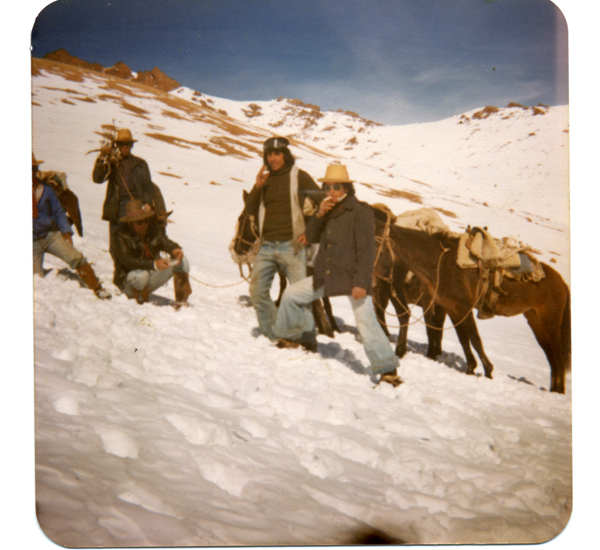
565, 331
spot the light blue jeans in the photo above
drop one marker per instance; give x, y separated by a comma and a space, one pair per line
271, 257
139, 279
55, 244
295, 319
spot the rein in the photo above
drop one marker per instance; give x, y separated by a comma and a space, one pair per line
386, 240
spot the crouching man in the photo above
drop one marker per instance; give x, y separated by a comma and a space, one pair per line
140, 268
52, 233
344, 227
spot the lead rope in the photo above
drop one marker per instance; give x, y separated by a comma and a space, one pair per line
385, 239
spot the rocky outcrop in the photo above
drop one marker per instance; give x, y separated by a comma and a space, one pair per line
155, 77
158, 79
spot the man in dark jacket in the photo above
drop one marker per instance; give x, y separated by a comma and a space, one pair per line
128, 179
52, 233
344, 227
140, 268
278, 200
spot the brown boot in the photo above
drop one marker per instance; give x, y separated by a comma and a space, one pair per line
141, 296
181, 284
86, 272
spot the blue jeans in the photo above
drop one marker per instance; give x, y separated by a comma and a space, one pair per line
139, 279
271, 257
295, 319
55, 244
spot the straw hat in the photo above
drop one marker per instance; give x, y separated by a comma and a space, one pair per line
134, 212
35, 162
336, 173
124, 136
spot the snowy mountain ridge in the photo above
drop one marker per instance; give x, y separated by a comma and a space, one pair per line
157, 427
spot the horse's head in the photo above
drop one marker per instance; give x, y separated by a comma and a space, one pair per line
246, 231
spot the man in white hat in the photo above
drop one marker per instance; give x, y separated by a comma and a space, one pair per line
140, 268
128, 179
278, 200
344, 227
52, 234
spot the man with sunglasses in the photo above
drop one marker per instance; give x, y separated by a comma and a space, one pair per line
141, 269
277, 200
128, 178
344, 227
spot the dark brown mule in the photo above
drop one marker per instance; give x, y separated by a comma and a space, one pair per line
545, 304
242, 245
393, 282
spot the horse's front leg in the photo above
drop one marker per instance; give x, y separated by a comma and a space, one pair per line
435, 317
403, 316
470, 326
463, 338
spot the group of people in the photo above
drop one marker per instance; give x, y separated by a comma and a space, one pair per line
145, 258
344, 229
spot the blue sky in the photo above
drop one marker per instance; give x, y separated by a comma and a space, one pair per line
393, 61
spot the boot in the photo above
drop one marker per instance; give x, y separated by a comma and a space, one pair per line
391, 378
181, 284
86, 272
141, 296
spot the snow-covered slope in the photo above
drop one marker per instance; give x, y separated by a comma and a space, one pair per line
163, 427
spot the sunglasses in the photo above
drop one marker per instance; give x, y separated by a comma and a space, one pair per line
334, 186
125, 144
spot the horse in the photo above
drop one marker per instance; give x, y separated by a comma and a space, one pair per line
545, 303
243, 250
392, 281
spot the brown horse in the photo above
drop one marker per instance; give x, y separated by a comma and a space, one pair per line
242, 249
545, 304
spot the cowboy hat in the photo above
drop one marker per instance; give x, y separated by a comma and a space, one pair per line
124, 136
35, 162
134, 212
336, 173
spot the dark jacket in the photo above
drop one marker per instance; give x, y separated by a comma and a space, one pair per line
346, 237
51, 215
139, 184
130, 250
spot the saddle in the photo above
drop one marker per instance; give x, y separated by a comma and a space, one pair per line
495, 259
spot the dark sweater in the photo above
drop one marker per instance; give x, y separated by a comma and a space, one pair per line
278, 209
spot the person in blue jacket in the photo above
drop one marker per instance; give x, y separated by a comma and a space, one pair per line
52, 233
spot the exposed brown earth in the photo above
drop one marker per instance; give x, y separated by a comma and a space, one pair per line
155, 78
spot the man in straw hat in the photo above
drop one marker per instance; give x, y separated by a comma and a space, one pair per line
278, 201
52, 233
141, 269
128, 179
344, 227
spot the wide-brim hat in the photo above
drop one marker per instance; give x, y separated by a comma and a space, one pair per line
134, 212
336, 173
35, 162
124, 136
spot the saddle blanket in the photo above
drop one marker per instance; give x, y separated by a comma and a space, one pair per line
477, 246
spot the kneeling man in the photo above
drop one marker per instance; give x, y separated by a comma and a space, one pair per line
140, 268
